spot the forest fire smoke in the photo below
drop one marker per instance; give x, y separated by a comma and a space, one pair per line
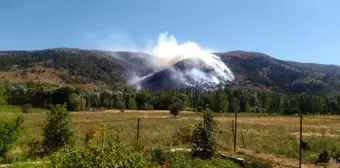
168, 52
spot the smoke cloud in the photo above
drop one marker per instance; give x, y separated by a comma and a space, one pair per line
197, 65
201, 66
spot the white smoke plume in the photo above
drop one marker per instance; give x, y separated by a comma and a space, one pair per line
168, 52
200, 67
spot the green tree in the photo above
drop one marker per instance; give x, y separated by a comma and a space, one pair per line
26, 108
61, 95
175, 108
120, 105
2, 93
147, 107
132, 104
204, 138
75, 102
57, 129
219, 101
9, 133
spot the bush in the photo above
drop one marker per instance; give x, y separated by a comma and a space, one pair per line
257, 110
158, 156
26, 108
294, 111
94, 134
185, 160
9, 134
286, 111
258, 164
100, 151
112, 155
75, 102
184, 133
336, 154
57, 129
132, 104
203, 139
34, 149
175, 108
148, 106
120, 105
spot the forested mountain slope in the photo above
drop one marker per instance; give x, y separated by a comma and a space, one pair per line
258, 70
67, 66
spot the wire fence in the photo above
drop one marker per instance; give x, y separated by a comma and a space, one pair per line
303, 138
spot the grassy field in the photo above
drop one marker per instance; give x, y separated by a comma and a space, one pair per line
17, 109
265, 136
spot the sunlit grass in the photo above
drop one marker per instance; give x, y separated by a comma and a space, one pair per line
277, 135
17, 109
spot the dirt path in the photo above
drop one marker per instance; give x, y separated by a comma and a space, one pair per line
281, 161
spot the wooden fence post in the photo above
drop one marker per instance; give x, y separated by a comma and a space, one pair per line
138, 126
235, 131
244, 145
232, 127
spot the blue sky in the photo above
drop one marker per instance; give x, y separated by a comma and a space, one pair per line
299, 30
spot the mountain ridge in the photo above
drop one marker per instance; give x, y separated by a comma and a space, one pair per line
253, 70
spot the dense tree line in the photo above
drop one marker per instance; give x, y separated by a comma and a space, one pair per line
127, 97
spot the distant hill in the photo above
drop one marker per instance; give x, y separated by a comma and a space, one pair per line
64, 66
74, 67
260, 71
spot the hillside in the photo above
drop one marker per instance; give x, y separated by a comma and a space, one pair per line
63, 66
258, 70
73, 67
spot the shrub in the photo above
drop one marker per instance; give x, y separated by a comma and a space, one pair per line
148, 106
100, 151
185, 160
257, 110
75, 102
294, 111
175, 108
258, 164
120, 105
34, 149
203, 139
336, 154
184, 133
112, 155
158, 155
26, 108
57, 129
9, 134
132, 104
82, 104
2, 93
286, 111
94, 134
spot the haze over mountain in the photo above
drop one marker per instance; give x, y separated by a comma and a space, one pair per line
74, 67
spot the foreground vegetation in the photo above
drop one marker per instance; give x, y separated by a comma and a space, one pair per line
271, 135
48, 131
102, 148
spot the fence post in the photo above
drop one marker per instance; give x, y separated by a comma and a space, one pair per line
244, 145
300, 154
138, 125
232, 127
